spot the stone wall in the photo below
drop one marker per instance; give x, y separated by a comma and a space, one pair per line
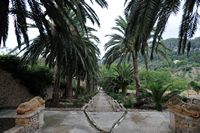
12, 92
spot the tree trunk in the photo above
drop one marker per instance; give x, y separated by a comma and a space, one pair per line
56, 87
124, 90
136, 75
78, 86
69, 87
88, 85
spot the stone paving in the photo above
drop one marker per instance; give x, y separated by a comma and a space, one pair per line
134, 122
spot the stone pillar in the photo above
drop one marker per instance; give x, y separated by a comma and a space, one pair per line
34, 119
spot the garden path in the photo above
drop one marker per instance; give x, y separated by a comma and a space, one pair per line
100, 103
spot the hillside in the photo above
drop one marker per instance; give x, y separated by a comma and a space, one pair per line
172, 43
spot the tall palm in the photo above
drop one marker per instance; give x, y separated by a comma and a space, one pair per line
117, 49
144, 15
67, 58
39, 11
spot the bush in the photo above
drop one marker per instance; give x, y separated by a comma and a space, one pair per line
127, 101
36, 79
179, 84
156, 86
87, 97
195, 86
10, 63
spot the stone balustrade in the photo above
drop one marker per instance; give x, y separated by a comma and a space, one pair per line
184, 116
30, 116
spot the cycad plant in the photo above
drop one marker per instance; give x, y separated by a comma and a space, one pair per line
123, 77
160, 94
116, 77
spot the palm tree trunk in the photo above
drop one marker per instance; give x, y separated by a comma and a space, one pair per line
88, 84
124, 90
78, 86
69, 87
56, 87
136, 75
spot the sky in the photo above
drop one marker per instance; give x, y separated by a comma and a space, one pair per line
107, 20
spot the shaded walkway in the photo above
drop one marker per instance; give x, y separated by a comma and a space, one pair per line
100, 103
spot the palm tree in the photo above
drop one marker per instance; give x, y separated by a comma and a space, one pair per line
39, 11
123, 77
144, 15
117, 49
67, 58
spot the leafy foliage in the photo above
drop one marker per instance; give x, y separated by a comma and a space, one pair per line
144, 15
195, 86
56, 10
116, 77
127, 101
10, 63
156, 87
37, 79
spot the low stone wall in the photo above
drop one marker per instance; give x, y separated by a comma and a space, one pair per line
183, 124
184, 116
30, 116
28, 123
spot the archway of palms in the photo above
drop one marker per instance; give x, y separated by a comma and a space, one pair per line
64, 39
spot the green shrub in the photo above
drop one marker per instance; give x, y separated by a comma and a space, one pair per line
10, 63
179, 84
156, 86
195, 86
86, 98
37, 79
127, 101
